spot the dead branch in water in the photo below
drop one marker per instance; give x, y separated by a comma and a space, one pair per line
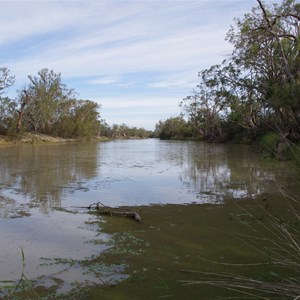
112, 211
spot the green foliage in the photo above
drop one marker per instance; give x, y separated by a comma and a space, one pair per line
284, 97
80, 120
293, 154
269, 141
123, 131
7, 106
257, 89
52, 108
173, 128
6, 80
47, 101
7, 115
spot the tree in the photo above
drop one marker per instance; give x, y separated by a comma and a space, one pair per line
86, 119
207, 107
257, 89
267, 49
48, 97
25, 101
123, 131
173, 128
7, 114
6, 80
50, 107
7, 106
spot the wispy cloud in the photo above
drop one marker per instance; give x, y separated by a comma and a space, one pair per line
103, 80
137, 111
118, 47
135, 102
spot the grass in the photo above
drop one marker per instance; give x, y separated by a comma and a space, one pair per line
277, 238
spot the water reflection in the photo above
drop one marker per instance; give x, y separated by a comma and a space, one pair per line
137, 172
56, 250
9, 208
41, 174
36, 180
216, 172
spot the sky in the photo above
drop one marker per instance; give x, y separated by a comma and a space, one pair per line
136, 58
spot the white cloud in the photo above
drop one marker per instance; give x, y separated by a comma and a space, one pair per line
21, 20
133, 38
162, 54
103, 80
141, 102
183, 80
140, 111
118, 43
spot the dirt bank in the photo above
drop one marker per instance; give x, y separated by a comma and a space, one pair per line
32, 138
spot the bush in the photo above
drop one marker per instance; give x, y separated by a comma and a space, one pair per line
268, 142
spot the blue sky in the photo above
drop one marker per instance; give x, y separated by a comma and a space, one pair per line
136, 58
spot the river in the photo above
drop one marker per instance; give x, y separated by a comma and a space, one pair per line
189, 195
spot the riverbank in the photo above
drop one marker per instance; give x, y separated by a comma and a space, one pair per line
174, 254
32, 138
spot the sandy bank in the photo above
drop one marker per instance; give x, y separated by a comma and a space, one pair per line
31, 138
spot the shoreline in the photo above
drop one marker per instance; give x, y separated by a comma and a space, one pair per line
31, 138
38, 138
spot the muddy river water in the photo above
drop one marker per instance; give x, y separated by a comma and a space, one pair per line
193, 197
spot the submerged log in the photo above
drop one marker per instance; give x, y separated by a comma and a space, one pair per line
112, 211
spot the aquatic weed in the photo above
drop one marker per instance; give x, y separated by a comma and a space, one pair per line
278, 240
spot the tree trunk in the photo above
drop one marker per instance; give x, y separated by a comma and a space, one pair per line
21, 111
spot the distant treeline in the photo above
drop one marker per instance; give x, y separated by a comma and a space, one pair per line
48, 106
123, 131
254, 95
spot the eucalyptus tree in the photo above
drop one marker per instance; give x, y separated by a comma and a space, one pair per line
7, 106
207, 107
86, 118
6, 80
48, 97
258, 87
173, 128
267, 52
52, 108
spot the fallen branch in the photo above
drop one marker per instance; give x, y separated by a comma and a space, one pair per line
111, 211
